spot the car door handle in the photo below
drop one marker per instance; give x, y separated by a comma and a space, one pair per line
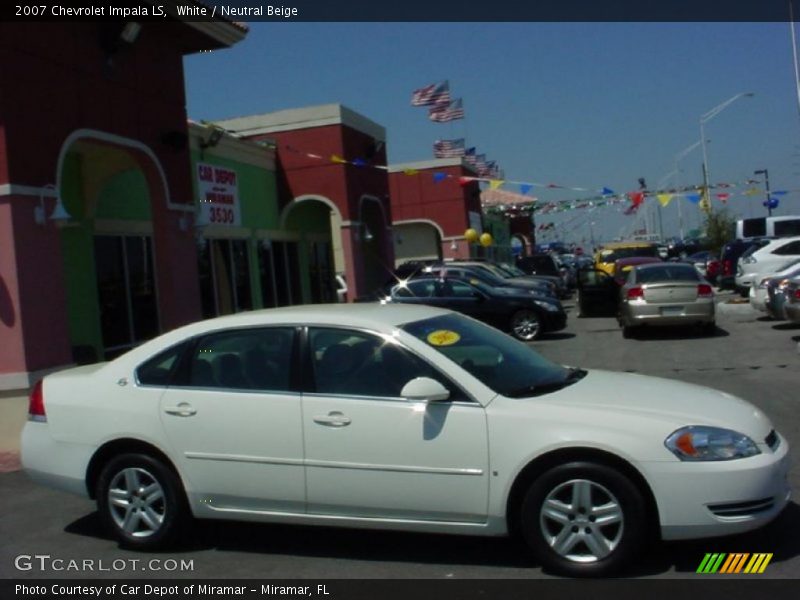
182, 410
332, 419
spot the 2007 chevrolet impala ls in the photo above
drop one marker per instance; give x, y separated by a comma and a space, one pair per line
400, 417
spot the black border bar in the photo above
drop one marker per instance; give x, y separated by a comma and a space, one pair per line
413, 10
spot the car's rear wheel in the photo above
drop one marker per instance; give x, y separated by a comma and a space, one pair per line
526, 325
583, 519
628, 332
141, 501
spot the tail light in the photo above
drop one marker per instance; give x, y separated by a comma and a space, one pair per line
727, 267
713, 267
796, 295
635, 292
36, 403
705, 291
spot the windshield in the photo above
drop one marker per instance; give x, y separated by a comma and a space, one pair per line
499, 361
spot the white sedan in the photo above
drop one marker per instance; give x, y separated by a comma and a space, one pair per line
401, 417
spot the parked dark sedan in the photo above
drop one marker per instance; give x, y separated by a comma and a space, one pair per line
514, 310
490, 275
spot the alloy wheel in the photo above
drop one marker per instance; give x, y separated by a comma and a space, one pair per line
136, 502
525, 325
581, 521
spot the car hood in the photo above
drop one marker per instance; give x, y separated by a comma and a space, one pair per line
674, 402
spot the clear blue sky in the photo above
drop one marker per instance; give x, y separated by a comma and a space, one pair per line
577, 104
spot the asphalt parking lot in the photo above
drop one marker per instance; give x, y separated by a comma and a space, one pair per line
750, 357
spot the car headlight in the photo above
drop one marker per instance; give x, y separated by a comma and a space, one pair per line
749, 260
701, 443
549, 306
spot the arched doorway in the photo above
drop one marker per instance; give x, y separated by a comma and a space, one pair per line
309, 256
118, 293
418, 239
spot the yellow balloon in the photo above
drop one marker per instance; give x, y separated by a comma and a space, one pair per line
471, 235
486, 240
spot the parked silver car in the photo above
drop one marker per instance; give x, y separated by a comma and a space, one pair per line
666, 294
792, 304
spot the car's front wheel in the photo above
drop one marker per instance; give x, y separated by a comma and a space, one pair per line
526, 325
583, 519
141, 501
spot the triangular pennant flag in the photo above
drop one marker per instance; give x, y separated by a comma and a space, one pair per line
335, 158
636, 197
439, 176
524, 188
410, 172
723, 197
462, 181
606, 192
664, 199
693, 198
751, 192
359, 162
780, 193
495, 183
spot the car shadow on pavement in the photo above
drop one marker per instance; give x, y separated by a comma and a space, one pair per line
779, 537
546, 337
790, 326
650, 334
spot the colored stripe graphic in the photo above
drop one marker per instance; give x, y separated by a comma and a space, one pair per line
711, 563
721, 562
734, 563
759, 562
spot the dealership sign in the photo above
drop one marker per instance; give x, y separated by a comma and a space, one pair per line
219, 196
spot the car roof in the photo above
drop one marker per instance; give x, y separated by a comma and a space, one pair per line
616, 245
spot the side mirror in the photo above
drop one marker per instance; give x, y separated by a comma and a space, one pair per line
424, 389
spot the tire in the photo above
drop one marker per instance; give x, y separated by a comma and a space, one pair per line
560, 519
628, 332
579, 310
141, 501
526, 325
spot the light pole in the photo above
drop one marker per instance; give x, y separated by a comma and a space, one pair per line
705, 119
678, 157
765, 173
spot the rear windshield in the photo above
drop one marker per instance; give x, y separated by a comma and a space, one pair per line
667, 273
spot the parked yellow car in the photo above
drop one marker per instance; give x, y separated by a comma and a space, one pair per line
608, 254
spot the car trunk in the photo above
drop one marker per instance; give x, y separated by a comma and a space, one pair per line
670, 293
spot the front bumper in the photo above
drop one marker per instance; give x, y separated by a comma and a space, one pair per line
697, 500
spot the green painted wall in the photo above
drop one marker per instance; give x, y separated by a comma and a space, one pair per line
123, 197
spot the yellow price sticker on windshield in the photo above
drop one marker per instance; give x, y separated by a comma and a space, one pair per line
443, 337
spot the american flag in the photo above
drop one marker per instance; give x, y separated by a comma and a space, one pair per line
430, 95
444, 112
448, 148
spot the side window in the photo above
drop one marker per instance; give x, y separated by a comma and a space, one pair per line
245, 359
353, 363
158, 370
462, 290
789, 249
422, 288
